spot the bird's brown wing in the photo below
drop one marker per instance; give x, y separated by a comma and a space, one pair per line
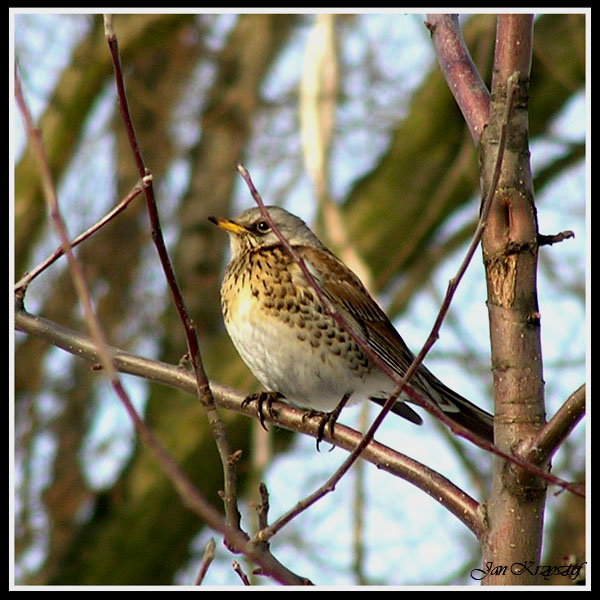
358, 308
367, 320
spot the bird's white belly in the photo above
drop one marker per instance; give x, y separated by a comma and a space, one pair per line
308, 376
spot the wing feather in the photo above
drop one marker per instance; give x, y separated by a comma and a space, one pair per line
367, 320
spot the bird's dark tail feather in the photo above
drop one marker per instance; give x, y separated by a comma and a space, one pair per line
468, 415
402, 410
473, 418
461, 411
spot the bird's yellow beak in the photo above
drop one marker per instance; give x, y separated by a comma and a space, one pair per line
228, 225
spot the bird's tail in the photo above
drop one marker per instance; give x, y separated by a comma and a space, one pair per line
455, 407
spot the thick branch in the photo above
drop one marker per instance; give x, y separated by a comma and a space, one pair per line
435, 485
514, 38
464, 81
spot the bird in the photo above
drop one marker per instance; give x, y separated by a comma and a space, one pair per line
285, 332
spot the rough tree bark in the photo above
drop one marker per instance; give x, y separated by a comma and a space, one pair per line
515, 508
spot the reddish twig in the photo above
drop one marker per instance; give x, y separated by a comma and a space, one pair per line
157, 236
203, 389
235, 538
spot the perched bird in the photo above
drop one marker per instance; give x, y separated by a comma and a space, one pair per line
291, 343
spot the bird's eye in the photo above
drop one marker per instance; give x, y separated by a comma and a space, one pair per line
262, 227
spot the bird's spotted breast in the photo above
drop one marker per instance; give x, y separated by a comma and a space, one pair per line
268, 310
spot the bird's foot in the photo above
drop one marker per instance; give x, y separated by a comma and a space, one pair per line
263, 398
326, 418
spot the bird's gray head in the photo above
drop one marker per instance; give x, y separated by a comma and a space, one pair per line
251, 230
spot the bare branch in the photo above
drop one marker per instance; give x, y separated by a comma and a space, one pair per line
207, 558
35, 140
186, 490
283, 415
462, 77
548, 240
557, 429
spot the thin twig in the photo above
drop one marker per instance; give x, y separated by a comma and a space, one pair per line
207, 558
203, 389
31, 275
262, 509
548, 240
240, 572
35, 140
234, 537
